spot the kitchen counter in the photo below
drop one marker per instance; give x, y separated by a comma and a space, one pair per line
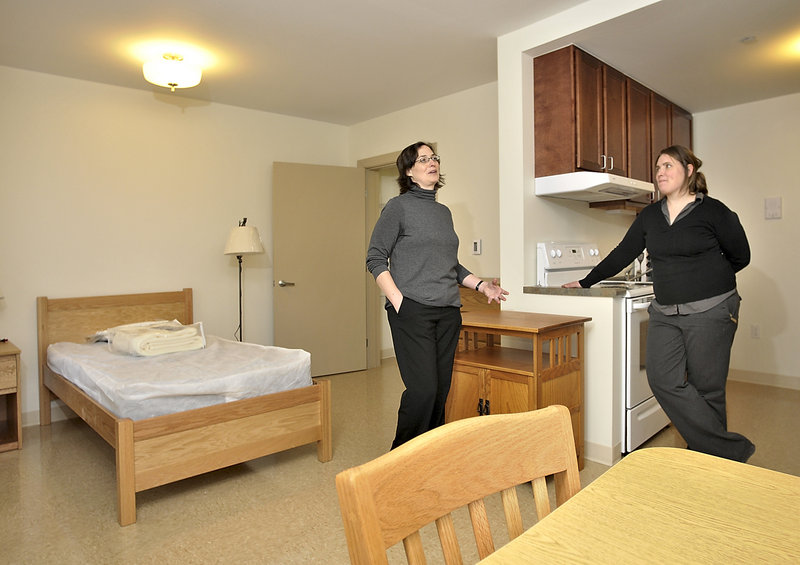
597, 291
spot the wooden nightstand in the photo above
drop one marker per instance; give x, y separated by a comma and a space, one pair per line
10, 401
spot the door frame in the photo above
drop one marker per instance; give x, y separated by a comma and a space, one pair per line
371, 165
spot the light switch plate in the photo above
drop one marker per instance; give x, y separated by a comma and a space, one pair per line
476, 246
773, 208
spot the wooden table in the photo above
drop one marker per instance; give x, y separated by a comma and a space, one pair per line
669, 505
494, 375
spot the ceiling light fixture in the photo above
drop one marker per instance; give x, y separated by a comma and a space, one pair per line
172, 71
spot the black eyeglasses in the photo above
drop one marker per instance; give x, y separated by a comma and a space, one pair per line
425, 158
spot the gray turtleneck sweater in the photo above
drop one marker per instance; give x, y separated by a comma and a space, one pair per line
415, 240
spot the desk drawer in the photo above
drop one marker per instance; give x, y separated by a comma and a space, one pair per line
8, 372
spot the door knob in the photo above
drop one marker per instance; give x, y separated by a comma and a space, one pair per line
285, 283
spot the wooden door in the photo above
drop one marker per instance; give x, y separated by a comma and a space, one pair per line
589, 111
639, 165
681, 127
660, 119
509, 393
466, 391
554, 112
615, 126
319, 222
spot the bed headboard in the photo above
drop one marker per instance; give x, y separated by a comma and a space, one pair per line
74, 319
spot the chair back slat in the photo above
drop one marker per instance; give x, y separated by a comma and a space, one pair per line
481, 528
449, 540
389, 499
541, 497
415, 553
511, 511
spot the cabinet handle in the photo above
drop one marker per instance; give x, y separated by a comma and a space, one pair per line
480, 407
611, 166
486, 410
603, 166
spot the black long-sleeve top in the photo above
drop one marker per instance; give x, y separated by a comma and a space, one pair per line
695, 258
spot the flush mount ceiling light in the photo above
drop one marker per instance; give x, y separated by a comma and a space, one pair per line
172, 71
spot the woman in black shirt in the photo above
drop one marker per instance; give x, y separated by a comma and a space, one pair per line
696, 246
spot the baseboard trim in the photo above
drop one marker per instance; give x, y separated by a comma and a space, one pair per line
603, 454
768, 379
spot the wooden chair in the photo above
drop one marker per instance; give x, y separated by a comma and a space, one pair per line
390, 498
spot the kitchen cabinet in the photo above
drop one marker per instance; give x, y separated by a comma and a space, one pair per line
579, 114
670, 125
589, 116
640, 166
511, 362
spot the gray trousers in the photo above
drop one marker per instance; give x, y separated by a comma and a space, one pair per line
687, 367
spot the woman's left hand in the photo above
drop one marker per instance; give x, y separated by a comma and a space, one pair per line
493, 291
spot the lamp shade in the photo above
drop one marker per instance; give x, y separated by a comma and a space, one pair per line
244, 240
172, 72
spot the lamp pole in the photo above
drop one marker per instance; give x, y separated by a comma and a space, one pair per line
241, 330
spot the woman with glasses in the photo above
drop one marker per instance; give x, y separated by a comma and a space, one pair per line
696, 246
413, 255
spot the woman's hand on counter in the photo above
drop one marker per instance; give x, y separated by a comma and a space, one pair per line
573, 284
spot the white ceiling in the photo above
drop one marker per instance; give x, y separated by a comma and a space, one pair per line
345, 61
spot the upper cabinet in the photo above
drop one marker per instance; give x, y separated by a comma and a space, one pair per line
590, 117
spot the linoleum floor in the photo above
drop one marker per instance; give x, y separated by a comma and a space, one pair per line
57, 494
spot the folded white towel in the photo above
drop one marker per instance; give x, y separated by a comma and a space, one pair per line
155, 338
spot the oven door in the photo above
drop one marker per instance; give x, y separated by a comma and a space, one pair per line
644, 417
637, 389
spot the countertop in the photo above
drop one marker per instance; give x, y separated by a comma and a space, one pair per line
596, 291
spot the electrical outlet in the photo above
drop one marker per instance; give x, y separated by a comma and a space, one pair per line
755, 331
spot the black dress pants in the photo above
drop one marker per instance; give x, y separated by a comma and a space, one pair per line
687, 368
425, 340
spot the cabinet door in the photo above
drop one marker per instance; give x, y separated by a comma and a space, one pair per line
640, 166
681, 127
466, 390
589, 111
554, 112
615, 131
660, 119
509, 393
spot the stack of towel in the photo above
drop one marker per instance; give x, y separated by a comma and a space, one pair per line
153, 338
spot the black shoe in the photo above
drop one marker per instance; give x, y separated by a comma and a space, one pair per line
750, 452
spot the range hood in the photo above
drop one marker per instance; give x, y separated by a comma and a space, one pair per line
593, 187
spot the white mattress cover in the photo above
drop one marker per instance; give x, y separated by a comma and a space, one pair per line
144, 387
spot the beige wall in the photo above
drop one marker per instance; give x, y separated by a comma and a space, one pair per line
749, 153
111, 190
464, 127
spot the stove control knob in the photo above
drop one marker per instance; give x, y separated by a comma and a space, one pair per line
558, 252
553, 253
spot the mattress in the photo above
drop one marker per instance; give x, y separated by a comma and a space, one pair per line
145, 387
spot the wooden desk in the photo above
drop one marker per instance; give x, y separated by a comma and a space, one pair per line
494, 375
668, 505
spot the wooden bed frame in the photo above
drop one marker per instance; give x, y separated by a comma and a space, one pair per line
164, 449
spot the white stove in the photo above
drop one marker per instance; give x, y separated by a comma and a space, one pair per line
559, 263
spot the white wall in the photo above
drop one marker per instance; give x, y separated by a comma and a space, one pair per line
464, 127
107, 190
112, 190
749, 153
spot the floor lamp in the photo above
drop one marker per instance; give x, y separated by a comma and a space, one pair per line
243, 240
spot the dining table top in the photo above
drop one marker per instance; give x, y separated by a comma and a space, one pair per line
669, 505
